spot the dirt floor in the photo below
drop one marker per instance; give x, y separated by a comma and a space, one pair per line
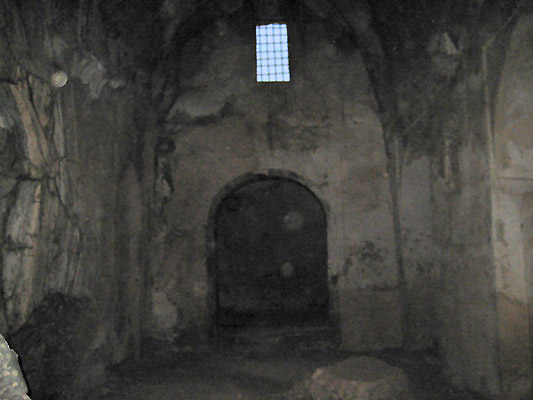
264, 369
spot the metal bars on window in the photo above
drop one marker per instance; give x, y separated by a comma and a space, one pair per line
272, 53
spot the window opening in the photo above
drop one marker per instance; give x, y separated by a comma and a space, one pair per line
272, 53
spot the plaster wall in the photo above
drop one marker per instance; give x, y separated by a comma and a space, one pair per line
320, 129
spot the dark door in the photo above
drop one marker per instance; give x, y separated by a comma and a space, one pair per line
271, 256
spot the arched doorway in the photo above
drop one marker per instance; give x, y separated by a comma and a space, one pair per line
270, 259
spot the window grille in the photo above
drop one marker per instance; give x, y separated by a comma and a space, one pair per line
272, 53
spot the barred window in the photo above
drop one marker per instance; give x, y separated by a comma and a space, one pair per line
272, 51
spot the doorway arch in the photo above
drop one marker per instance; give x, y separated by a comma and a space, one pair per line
267, 254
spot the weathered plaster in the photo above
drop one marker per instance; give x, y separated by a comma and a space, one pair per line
320, 127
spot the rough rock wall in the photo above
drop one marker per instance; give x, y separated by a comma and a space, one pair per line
66, 174
321, 129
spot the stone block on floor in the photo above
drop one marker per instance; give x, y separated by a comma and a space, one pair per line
356, 378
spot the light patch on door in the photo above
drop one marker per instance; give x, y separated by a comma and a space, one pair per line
293, 220
287, 270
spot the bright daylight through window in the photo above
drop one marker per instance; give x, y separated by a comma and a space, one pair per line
272, 52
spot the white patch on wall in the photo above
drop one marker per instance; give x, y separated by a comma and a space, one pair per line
164, 312
272, 53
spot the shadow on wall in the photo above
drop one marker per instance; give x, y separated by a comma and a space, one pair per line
527, 241
61, 347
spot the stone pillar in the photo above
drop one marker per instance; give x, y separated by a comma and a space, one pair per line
513, 182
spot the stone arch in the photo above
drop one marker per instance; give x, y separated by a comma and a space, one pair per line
239, 187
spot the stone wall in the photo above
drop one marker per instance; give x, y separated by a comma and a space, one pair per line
321, 129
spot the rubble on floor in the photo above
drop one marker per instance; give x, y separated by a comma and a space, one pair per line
356, 378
